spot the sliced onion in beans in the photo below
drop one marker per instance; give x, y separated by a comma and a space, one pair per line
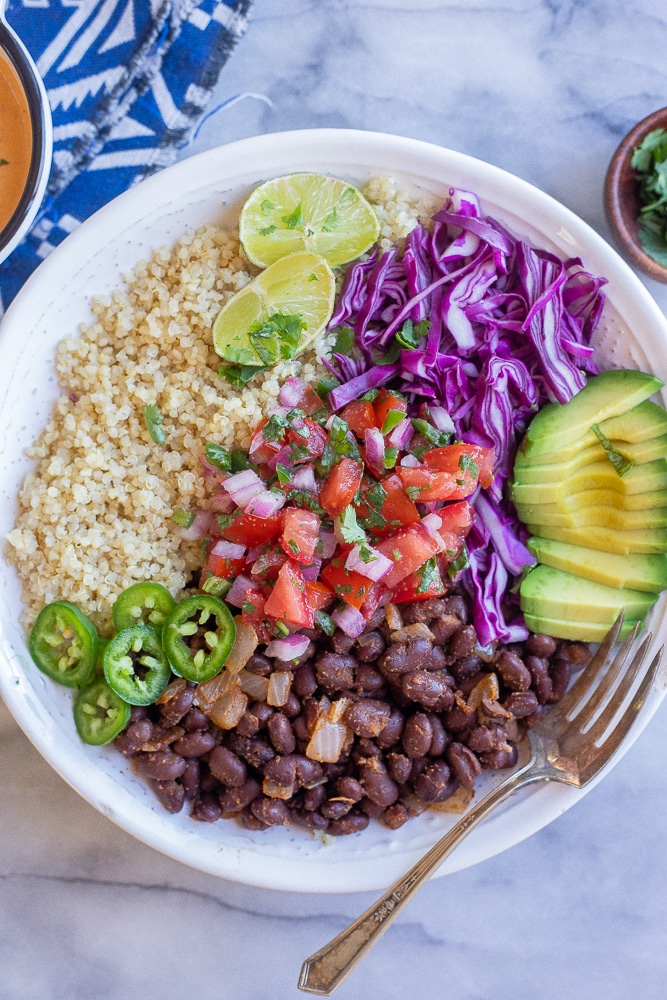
266, 504
245, 644
329, 733
419, 630
488, 688
227, 711
199, 528
254, 685
289, 648
239, 588
374, 567
207, 693
280, 683
273, 790
243, 486
349, 620
393, 616
176, 686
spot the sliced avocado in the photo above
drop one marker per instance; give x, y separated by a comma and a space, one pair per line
581, 631
610, 516
644, 422
623, 542
602, 498
640, 571
648, 477
552, 593
555, 469
609, 394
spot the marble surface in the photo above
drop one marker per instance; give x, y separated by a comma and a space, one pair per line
545, 89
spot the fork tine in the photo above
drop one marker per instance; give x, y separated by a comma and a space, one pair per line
606, 751
617, 698
597, 697
587, 678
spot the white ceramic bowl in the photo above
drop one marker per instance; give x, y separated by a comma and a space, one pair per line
211, 187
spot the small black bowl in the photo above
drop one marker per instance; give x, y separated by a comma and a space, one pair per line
42, 137
621, 198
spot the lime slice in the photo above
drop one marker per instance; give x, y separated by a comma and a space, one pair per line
299, 285
307, 212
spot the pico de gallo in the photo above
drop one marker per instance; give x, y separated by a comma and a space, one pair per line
329, 516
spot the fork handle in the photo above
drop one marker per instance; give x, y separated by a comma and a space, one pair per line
324, 971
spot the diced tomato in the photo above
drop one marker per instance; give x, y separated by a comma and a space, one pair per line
351, 587
288, 600
319, 594
247, 529
374, 597
456, 523
408, 548
341, 486
385, 401
397, 508
261, 451
253, 613
311, 438
429, 484
300, 535
268, 563
419, 586
223, 566
310, 402
470, 462
359, 415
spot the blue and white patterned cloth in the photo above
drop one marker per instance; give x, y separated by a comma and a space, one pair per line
128, 83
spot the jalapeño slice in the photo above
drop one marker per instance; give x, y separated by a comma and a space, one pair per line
135, 666
142, 604
63, 643
99, 714
198, 636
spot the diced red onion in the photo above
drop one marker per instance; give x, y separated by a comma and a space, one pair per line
283, 457
374, 442
311, 573
432, 523
328, 540
289, 648
349, 620
243, 486
303, 478
238, 590
402, 435
377, 566
266, 504
441, 419
221, 503
254, 553
291, 392
410, 462
199, 528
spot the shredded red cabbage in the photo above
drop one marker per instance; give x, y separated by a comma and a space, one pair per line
509, 329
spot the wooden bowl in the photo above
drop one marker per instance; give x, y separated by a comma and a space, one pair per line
621, 198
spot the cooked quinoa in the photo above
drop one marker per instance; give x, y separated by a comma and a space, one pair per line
95, 513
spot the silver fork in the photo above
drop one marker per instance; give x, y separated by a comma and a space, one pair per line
572, 744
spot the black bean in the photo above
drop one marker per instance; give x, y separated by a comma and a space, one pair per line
444, 627
400, 767
227, 767
369, 646
350, 788
372, 809
463, 642
292, 706
195, 719
354, 822
367, 717
456, 605
465, 667
236, 799
312, 820
335, 672
248, 724
262, 711
194, 744
458, 720
481, 739
282, 770
495, 760
314, 797
170, 794
336, 808
418, 653
560, 673
512, 669
378, 784
254, 749
434, 783
341, 643
440, 739
541, 645
178, 706
133, 738
190, 778
417, 735
539, 672
260, 665
281, 733
206, 809
423, 611
163, 765
521, 703
428, 688
392, 732
368, 679
465, 766
305, 681
393, 661
395, 816
272, 812
308, 771
577, 654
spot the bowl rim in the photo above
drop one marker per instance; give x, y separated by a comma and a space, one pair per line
42, 139
371, 866
623, 226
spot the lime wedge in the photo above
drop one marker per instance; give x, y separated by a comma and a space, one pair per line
299, 285
305, 211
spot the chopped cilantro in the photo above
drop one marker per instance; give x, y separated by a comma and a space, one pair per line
429, 576
267, 230
331, 222
350, 529
435, 437
325, 622
238, 375
276, 339
248, 607
295, 218
183, 518
410, 335
294, 546
622, 463
371, 395
458, 564
267, 207
344, 340
468, 464
281, 628
413, 492
275, 427
218, 456
240, 460
284, 474
153, 422
649, 160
